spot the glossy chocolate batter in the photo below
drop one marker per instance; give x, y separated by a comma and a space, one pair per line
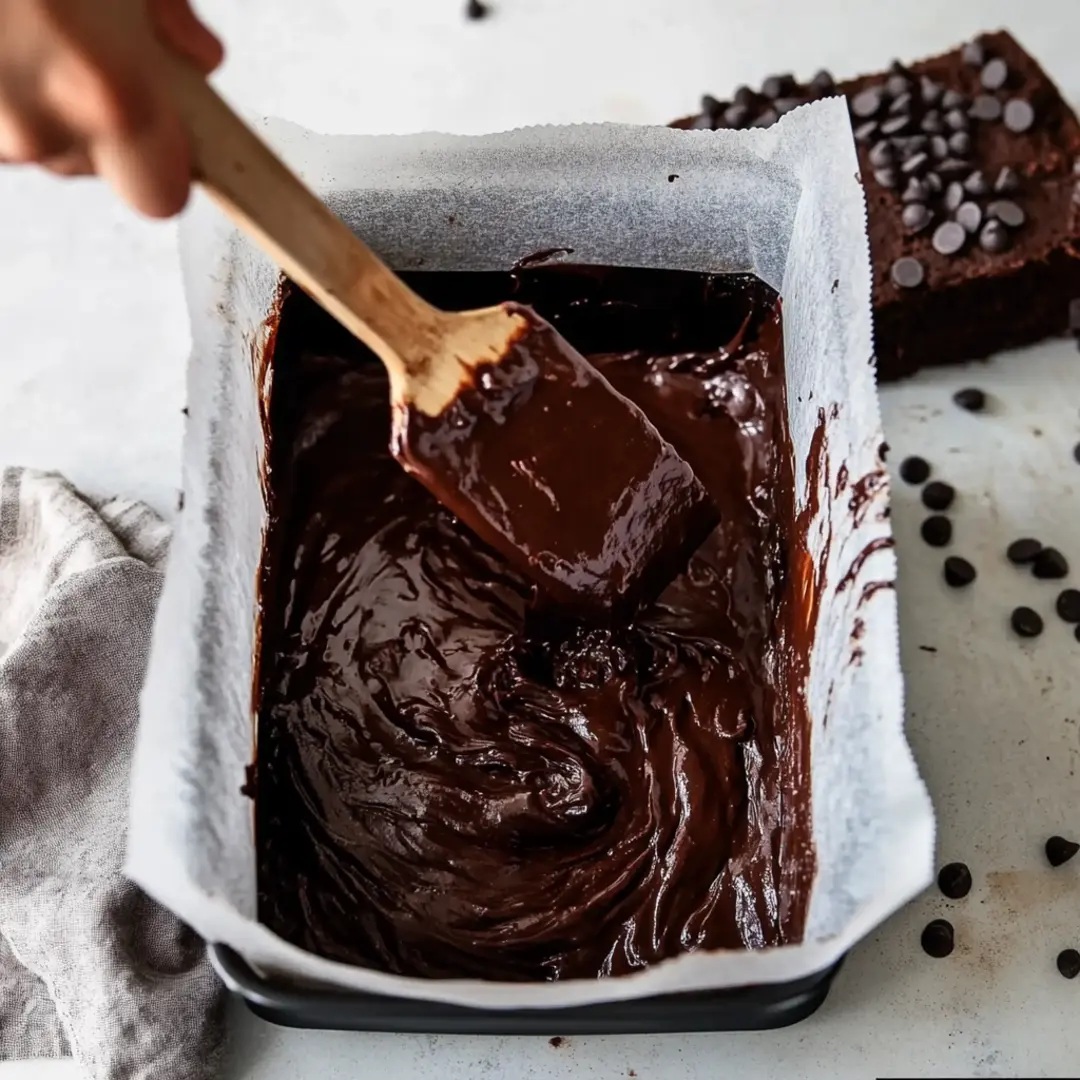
452, 782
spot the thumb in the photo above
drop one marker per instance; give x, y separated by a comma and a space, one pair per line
181, 30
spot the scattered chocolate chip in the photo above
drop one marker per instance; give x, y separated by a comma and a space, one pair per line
1023, 551
954, 880
948, 238
958, 572
976, 184
556, 1041
1050, 564
915, 164
1007, 212
914, 470
936, 530
934, 182
954, 196
932, 123
994, 74
895, 124
959, 143
952, 99
1068, 963
916, 217
785, 105
952, 167
929, 90
937, 495
1068, 605
474, 9
974, 54
744, 96
1007, 181
882, 154
916, 191
1059, 850
956, 120
778, 85
899, 82
709, 104
901, 103
910, 144
705, 122
970, 398
887, 178
970, 216
938, 938
994, 237
823, 83
1019, 115
985, 107
1026, 622
939, 146
867, 103
865, 132
736, 115
765, 119
908, 273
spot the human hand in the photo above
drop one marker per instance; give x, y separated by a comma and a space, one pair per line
78, 92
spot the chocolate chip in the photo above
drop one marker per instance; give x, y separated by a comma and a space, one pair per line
882, 154
745, 96
823, 83
939, 147
932, 123
898, 83
971, 398
1059, 850
938, 938
709, 104
915, 164
1068, 605
910, 144
1023, 551
895, 124
908, 273
778, 85
956, 120
936, 530
916, 191
976, 183
985, 107
705, 122
970, 216
1068, 963
974, 54
886, 177
901, 103
994, 238
952, 167
786, 104
934, 181
958, 572
959, 143
948, 238
1026, 622
914, 470
954, 196
1050, 565
1019, 115
929, 90
765, 119
937, 495
865, 132
474, 9
954, 880
994, 74
867, 103
952, 99
916, 217
736, 115
1007, 182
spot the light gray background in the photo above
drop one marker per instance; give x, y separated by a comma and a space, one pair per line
93, 338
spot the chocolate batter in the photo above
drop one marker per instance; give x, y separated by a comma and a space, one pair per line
453, 782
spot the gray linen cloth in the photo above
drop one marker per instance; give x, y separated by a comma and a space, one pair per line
89, 966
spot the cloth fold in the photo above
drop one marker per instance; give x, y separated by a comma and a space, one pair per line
88, 964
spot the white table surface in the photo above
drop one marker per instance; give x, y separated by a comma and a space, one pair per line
93, 338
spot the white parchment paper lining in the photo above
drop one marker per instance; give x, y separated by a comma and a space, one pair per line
784, 203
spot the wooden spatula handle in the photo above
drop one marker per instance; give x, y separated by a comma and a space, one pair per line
269, 202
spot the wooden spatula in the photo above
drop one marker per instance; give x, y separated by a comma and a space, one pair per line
493, 411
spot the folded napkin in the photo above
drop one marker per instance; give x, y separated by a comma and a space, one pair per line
89, 966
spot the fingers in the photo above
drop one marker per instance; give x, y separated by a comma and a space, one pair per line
180, 29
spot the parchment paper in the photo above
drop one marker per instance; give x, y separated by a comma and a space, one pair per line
784, 203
